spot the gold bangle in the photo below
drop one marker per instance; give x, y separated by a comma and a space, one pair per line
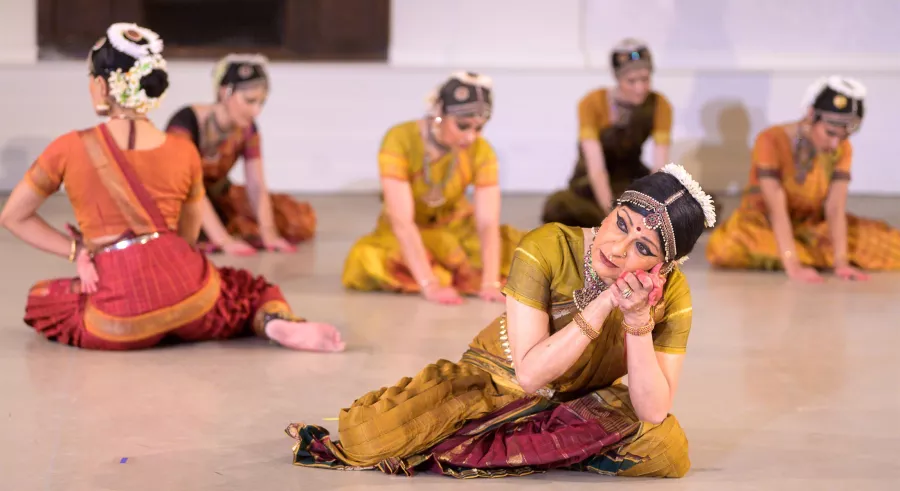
495, 284
586, 328
73, 251
641, 330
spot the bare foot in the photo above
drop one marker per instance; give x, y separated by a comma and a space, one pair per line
306, 336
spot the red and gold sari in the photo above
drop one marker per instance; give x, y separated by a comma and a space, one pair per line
295, 220
152, 283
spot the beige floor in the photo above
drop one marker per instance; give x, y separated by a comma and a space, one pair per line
784, 387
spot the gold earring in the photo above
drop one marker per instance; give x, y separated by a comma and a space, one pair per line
102, 109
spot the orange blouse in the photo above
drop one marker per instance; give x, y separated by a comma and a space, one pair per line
806, 189
102, 201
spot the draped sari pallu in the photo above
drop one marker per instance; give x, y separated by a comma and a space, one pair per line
150, 285
597, 433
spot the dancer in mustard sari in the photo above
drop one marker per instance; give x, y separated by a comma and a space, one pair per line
240, 219
793, 215
429, 238
540, 387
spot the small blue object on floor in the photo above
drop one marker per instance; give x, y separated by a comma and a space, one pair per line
124, 459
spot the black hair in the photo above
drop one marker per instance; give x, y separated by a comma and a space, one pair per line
238, 73
105, 59
460, 94
688, 220
833, 101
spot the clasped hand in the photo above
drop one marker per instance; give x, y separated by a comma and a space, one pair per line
645, 289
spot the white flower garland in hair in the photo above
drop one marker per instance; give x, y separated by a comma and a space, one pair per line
852, 88
117, 37
693, 187
125, 87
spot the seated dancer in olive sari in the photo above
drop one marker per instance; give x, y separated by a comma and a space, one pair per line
136, 194
793, 215
540, 387
240, 219
429, 238
613, 126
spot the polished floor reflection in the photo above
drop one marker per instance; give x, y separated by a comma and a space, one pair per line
784, 386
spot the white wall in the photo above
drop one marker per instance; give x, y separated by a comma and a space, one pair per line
685, 34
324, 122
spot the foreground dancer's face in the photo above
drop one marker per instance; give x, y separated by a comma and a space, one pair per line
245, 104
634, 85
625, 244
461, 131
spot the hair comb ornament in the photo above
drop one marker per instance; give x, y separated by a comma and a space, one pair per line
472, 96
837, 100
248, 66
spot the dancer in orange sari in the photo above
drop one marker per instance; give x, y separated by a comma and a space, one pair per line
240, 219
136, 195
793, 215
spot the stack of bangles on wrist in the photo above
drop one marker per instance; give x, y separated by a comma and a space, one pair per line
640, 330
585, 326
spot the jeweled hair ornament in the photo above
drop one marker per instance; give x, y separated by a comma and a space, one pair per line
471, 94
658, 218
249, 67
630, 53
837, 100
125, 87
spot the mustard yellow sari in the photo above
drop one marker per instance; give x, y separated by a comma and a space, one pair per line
471, 418
448, 229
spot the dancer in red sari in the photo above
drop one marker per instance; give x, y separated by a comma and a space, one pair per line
136, 194
240, 219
